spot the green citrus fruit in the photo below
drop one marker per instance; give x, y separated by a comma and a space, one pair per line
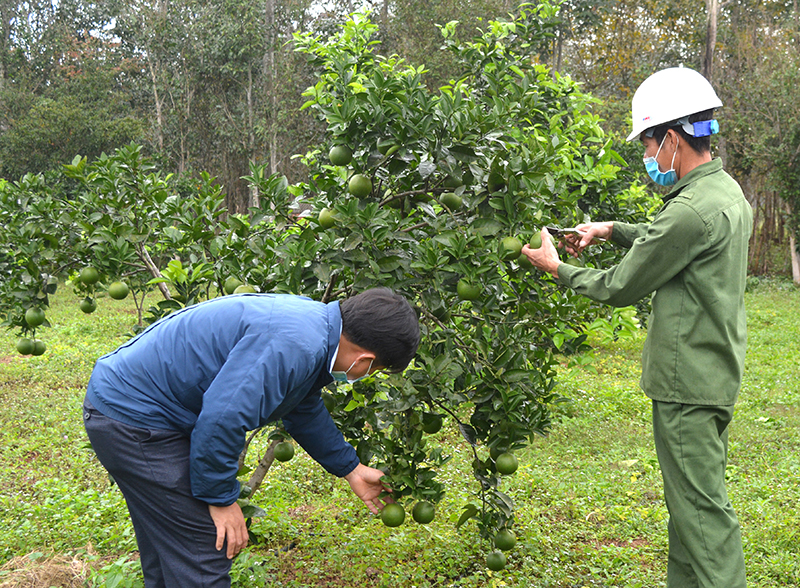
510, 248
496, 561
25, 346
89, 275
39, 347
284, 451
34, 316
423, 512
536, 241
574, 262
244, 289
497, 451
360, 186
505, 540
393, 515
326, 218
340, 155
118, 290
467, 290
431, 423
88, 305
506, 463
451, 200
452, 182
524, 262
231, 284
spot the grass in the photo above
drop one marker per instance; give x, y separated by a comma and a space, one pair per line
590, 509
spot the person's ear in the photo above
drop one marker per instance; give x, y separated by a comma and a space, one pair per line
674, 138
367, 357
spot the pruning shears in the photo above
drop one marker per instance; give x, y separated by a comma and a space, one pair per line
563, 232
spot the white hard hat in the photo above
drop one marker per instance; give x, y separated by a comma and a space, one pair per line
669, 95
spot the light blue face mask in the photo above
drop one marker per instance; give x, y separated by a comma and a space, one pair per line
667, 178
342, 376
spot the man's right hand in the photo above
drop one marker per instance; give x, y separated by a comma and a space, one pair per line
576, 243
366, 484
230, 524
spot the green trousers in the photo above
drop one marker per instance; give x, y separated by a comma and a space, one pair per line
705, 541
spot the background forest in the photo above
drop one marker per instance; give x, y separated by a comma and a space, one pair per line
216, 86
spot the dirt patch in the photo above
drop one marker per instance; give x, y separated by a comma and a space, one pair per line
301, 512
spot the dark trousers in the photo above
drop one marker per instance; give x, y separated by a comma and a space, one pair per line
174, 531
705, 542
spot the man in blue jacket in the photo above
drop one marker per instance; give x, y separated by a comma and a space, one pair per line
167, 413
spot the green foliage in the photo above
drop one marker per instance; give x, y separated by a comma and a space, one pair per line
122, 573
37, 246
515, 142
55, 129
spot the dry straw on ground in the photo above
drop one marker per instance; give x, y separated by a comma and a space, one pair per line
29, 571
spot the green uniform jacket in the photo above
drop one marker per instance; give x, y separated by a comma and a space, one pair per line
694, 257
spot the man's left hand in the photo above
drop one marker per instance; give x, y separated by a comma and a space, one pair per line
545, 257
230, 524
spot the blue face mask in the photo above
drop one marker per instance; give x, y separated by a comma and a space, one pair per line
342, 376
667, 178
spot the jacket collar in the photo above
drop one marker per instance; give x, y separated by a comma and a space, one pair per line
334, 334
700, 171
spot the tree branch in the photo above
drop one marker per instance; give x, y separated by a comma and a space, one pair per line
144, 255
258, 475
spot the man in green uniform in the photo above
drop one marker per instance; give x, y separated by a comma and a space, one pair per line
693, 258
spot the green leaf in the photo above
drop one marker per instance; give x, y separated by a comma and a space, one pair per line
469, 511
469, 433
487, 227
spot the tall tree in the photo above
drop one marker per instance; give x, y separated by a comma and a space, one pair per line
62, 91
758, 54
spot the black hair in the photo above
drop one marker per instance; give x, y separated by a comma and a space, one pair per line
699, 144
384, 323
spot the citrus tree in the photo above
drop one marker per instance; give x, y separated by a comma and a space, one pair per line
37, 247
433, 194
430, 193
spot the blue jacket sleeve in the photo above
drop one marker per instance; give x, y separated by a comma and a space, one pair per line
250, 386
312, 427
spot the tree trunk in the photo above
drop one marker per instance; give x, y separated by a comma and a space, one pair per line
253, 201
258, 475
158, 103
796, 21
795, 260
161, 12
270, 76
185, 156
5, 38
712, 8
